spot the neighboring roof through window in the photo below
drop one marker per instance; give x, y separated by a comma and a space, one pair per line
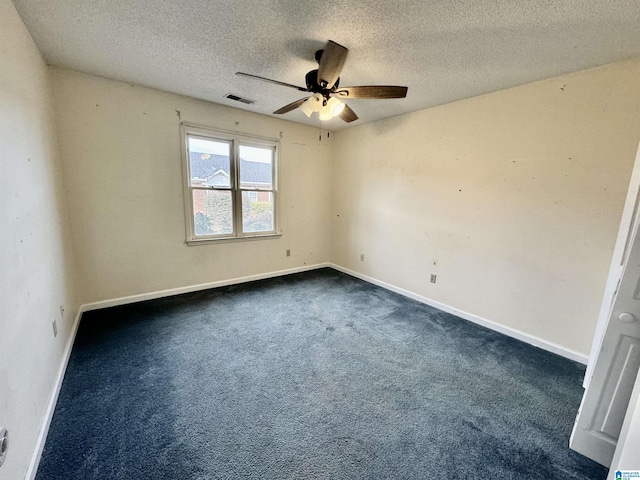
207, 165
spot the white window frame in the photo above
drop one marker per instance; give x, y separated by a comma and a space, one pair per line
235, 140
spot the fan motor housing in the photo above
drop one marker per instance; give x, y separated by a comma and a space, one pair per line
311, 80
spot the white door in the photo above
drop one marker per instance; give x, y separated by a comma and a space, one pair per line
628, 222
617, 360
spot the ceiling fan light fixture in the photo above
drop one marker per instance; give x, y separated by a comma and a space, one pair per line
333, 108
323, 82
325, 113
306, 107
312, 104
336, 106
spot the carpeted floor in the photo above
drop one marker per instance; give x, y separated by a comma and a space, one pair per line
310, 376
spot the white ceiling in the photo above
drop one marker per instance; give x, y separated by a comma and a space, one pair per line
443, 50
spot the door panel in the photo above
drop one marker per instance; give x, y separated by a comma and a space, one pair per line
618, 387
628, 225
605, 401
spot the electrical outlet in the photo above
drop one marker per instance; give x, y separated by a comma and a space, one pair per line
55, 328
4, 444
362, 257
433, 278
288, 253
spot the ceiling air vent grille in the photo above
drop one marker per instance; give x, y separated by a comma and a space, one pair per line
237, 98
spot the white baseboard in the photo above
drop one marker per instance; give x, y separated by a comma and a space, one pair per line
511, 332
53, 399
194, 288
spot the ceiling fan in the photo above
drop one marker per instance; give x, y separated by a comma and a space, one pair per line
324, 84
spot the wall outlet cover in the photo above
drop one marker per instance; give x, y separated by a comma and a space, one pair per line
4, 444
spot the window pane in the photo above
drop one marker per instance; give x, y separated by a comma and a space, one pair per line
209, 162
256, 167
212, 212
257, 215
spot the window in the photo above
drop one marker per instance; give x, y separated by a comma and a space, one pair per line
230, 185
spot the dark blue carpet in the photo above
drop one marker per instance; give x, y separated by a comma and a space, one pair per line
309, 376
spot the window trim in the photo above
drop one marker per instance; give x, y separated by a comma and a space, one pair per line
235, 139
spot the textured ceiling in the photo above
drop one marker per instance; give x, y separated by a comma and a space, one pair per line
443, 50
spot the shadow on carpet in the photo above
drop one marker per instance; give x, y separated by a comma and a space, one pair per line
309, 376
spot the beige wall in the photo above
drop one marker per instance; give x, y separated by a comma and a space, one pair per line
36, 270
513, 199
121, 149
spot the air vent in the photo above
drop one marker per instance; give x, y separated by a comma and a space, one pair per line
231, 96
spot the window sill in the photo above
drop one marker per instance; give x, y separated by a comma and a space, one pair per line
209, 241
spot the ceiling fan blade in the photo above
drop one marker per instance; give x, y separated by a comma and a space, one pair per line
331, 63
291, 106
375, 91
347, 114
248, 75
